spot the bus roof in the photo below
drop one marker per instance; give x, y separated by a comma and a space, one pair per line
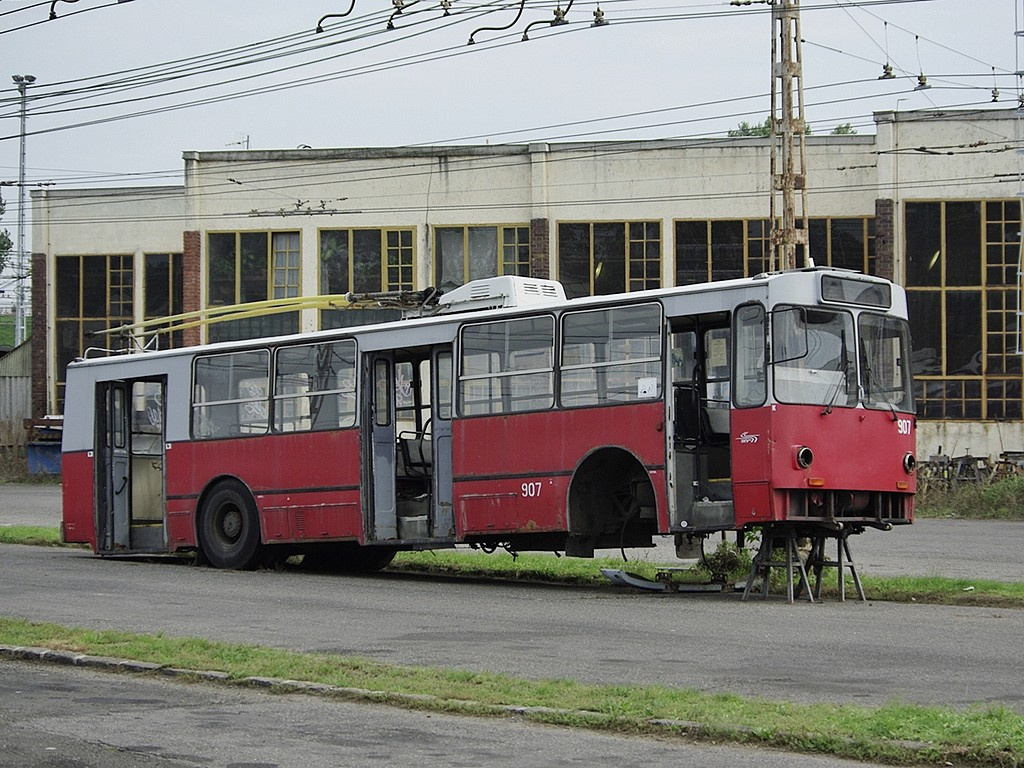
454, 318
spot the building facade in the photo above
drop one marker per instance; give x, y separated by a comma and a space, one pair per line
931, 201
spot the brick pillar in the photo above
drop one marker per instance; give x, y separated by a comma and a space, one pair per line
191, 267
540, 244
885, 231
39, 338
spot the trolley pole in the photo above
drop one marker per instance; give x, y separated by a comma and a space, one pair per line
20, 270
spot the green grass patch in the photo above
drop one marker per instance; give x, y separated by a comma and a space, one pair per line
523, 567
30, 534
726, 564
945, 591
894, 732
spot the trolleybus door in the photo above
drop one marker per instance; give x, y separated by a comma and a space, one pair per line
701, 404
148, 506
441, 429
130, 497
379, 448
113, 474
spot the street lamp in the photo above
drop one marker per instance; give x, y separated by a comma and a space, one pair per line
22, 82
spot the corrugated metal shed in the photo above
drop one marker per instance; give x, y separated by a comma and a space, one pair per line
15, 394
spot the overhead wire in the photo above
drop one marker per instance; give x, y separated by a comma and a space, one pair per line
416, 58
297, 38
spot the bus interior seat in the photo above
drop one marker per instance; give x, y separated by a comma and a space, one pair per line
699, 423
415, 454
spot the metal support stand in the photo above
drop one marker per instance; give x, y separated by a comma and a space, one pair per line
771, 540
818, 561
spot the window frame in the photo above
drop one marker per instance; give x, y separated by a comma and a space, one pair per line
603, 368
501, 380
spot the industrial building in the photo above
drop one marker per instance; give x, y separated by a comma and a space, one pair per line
931, 200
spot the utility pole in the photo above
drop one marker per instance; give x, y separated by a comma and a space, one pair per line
788, 177
20, 270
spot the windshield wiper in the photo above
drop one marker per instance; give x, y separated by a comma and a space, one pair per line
881, 392
844, 382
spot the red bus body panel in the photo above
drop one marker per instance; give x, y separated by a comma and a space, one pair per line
306, 485
78, 519
854, 449
512, 473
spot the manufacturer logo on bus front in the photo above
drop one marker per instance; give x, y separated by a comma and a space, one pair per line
747, 438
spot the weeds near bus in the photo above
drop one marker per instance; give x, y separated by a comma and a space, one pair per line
1001, 500
726, 565
895, 732
14, 468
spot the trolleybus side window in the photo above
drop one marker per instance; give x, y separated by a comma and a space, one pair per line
444, 385
812, 351
611, 356
507, 367
885, 362
315, 387
230, 395
751, 387
684, 357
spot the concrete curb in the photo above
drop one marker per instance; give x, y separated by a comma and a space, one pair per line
736, 733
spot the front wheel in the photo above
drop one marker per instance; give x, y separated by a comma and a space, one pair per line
229, 527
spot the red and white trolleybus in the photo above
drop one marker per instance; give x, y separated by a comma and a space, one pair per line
506, 415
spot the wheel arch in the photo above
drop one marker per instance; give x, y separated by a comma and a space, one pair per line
611, 498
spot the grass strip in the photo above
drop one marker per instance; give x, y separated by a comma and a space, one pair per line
896, 732
546, 568
528, 566
35, 535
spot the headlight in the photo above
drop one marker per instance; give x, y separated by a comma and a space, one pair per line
909, 463
804, 457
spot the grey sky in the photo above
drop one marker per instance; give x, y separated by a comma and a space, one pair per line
709, 59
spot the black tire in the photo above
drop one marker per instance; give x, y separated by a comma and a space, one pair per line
348, 557
229, 527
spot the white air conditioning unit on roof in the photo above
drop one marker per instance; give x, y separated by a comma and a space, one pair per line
501, 292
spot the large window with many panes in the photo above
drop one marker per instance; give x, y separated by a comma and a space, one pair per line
93, 294
722, 249
364, 261
963, 288
163, 294
244, 267
462, 254
597, 258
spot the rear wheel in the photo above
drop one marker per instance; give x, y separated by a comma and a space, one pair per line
229, 527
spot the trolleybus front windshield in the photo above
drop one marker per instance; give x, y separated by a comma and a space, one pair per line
885, 363
815, 359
